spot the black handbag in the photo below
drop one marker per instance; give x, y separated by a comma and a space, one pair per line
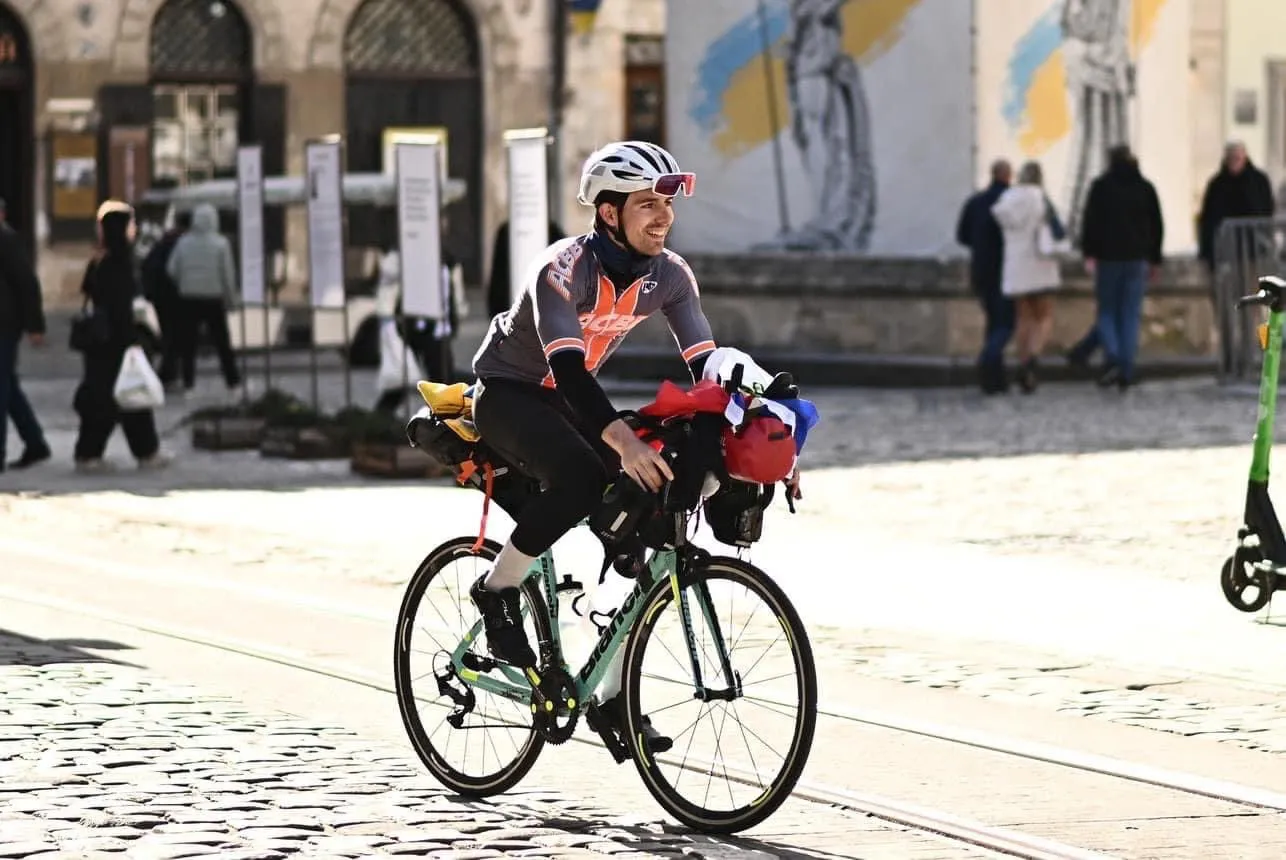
90, 329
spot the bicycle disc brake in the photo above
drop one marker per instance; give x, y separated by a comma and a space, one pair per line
554, 709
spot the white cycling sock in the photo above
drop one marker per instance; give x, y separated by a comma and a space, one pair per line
510, 570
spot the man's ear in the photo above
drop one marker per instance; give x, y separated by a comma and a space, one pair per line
608, 213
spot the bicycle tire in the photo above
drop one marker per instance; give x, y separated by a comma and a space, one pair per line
759, 809
469, 786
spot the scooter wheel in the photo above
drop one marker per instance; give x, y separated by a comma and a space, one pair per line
1237, 579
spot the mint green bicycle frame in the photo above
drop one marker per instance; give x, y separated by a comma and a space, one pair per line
663, 565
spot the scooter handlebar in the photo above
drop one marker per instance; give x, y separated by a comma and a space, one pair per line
1263, 297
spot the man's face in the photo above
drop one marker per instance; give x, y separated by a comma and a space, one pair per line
1236, 159
647, 218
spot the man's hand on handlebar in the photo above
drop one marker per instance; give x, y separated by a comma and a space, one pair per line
639, 460
792, 485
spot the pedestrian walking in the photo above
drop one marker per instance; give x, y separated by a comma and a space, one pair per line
111, 287
162, 291
21, 313
202, 267
1122, 240
978, 231
1033, 235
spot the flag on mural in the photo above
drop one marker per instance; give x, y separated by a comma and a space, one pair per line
583, 14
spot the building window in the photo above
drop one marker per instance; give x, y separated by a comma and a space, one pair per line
200, 39
194, 133
423, 38
645, 89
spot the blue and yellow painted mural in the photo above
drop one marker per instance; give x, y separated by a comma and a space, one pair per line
1035, 105
729, 99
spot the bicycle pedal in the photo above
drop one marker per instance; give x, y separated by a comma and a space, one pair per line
603, 728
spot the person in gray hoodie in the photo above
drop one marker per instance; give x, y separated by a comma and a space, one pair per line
201, 265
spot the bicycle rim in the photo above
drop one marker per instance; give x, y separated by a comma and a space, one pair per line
496, 745
733, 763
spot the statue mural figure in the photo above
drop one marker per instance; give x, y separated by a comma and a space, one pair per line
830, 124
1100, 81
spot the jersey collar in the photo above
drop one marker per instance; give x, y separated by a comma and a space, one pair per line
621, 266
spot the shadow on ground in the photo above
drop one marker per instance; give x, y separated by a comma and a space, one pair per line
17, 649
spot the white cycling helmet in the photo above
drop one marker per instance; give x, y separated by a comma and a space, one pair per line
627, 166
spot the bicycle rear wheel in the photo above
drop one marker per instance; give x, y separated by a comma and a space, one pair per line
495, 744
725, 714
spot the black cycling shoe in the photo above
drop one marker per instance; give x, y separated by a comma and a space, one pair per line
612, 709
502, 617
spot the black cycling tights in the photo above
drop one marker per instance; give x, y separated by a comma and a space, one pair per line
533, 428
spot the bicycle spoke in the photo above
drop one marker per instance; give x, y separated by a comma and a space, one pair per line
768, 739
469, 758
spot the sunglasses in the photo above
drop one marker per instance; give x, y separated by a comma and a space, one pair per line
671, 184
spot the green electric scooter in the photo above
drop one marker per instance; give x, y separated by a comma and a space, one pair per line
1257, 567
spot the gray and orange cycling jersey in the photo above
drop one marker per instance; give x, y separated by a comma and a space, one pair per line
570, 303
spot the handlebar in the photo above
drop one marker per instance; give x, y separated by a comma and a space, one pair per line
1271, 289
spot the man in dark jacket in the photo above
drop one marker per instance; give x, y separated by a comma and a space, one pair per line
159, 289
1122, 238
1238, 190
978, 231
21, 312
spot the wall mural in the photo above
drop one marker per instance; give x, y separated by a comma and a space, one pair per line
1061, 81
820, 125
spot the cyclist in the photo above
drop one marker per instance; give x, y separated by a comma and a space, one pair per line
537, 402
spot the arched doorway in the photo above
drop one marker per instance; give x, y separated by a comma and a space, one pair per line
17, 127
201, 60
415, 64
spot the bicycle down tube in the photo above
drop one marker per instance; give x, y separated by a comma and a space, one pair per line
662, 565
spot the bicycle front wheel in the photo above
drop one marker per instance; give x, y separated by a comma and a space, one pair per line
725, 668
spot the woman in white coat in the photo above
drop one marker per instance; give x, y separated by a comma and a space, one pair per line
1033, 237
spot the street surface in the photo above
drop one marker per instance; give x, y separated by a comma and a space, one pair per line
1037, 568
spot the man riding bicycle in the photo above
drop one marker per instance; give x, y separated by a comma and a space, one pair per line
537, 401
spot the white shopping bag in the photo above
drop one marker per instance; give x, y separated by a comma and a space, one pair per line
137, 385
398, 365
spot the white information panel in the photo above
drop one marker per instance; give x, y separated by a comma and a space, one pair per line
419, 222
323, 166
250, 221
528, 201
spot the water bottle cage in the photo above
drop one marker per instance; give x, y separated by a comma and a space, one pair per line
607, 617
592, 614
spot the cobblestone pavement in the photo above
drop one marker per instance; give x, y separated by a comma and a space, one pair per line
99, 759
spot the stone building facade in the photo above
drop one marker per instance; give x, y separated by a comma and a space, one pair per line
109, 97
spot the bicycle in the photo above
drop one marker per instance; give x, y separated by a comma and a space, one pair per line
675, 580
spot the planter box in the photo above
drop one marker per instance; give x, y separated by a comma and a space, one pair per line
389, 460
302, 443
227, 433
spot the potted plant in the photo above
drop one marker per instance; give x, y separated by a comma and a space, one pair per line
238, 426
297, 431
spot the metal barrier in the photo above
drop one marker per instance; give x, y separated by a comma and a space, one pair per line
1245, 249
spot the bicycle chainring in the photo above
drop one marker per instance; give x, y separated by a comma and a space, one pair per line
554, 709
